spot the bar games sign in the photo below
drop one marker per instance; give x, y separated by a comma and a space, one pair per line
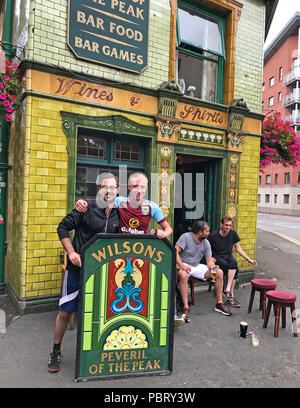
126, 307
110, 32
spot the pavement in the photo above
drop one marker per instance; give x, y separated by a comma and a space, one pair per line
208, 353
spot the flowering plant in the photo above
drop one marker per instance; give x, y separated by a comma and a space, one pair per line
10, 90
279, 143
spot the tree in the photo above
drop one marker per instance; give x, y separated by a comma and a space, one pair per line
279, 142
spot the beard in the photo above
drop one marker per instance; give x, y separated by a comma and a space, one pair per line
102, 203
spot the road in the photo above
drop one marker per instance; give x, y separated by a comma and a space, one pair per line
278, 249
286, 226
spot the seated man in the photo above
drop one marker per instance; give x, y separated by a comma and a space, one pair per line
191, 248
222, 243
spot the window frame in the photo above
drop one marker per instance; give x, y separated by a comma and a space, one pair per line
220, 19
271, 99
110, 162
287, 178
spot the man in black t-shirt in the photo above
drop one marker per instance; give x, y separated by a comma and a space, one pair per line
222, 243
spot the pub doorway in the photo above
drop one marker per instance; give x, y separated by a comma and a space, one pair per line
196, 188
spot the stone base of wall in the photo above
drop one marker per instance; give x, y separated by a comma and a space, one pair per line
32, 305
246, 276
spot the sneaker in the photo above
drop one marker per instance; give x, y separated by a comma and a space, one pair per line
54, 361
221, 308
227, 296
233, 302
179, 320
186, 314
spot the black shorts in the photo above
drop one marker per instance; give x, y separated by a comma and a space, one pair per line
226, 262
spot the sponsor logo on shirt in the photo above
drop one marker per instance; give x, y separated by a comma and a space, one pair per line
134, 222
131, 231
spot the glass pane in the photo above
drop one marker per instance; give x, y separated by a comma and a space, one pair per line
199, 30
199, 73
93, 147
127, 152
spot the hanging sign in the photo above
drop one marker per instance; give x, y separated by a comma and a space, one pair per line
126, 307
110, 32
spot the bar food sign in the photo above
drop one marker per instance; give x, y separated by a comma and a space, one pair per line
110, 32
126, 308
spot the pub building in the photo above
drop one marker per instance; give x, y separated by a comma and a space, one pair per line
170, 88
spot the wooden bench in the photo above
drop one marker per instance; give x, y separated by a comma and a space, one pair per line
198, 282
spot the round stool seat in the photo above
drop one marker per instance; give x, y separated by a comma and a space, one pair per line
281, 296
264, 283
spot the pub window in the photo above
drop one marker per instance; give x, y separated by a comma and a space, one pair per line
275, 198
98, 152
286, 198
298, 198
200, 53
267, 198
127, 151
258, 198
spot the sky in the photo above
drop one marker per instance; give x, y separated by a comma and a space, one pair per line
284, 12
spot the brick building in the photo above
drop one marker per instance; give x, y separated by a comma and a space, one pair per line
279, 186
164, 87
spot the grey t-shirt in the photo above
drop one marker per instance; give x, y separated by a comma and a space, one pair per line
191, 253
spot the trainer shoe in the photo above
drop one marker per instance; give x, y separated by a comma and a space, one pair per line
227, 296
54, 361
233, 302
179, 320
186, 314
221, 308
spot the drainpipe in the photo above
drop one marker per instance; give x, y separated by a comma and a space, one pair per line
4, 139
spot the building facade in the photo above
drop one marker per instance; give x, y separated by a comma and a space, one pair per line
169, 88
279, 187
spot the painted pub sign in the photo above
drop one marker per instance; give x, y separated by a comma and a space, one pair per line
110, 32
126, 307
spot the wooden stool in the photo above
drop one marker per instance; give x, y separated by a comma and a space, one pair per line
281, 300
192, 282
262, 286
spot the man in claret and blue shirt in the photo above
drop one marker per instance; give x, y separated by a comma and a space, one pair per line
135, 214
